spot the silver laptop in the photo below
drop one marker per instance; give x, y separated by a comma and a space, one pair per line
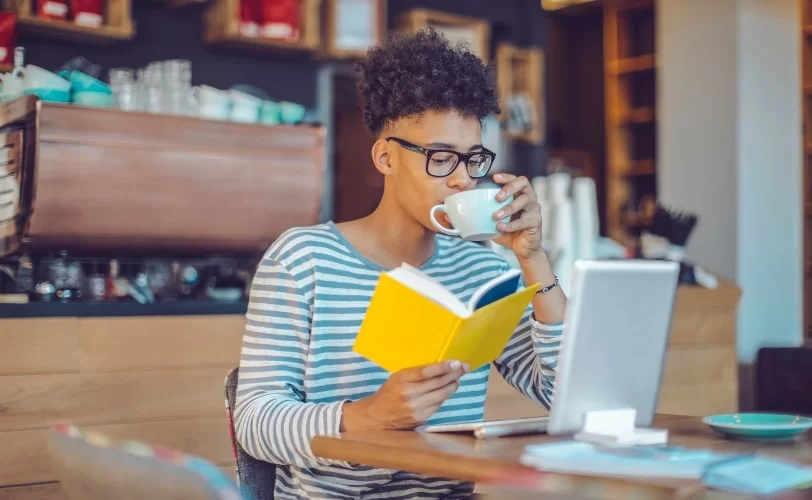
612, 351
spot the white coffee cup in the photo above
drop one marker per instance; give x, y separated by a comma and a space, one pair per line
241, 99
244, 107
211, 97
471, 214
214, 112
244, 114
212, 103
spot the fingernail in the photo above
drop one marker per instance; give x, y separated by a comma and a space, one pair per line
466, 367
454, 364
500, 214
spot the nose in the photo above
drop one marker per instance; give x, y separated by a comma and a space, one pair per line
459, 178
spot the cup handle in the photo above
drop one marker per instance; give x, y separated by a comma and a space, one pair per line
445, 230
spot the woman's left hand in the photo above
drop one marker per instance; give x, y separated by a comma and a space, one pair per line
522, 233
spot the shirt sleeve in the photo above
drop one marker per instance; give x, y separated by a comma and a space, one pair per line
530, 358
272, 419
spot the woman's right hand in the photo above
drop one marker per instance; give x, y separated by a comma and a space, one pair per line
406, 400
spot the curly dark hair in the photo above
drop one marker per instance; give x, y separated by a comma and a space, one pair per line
422, 72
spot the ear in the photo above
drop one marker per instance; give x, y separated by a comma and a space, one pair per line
381, 157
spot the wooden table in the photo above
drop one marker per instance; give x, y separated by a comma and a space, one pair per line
495, 462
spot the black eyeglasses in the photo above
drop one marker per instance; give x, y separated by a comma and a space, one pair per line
442, 162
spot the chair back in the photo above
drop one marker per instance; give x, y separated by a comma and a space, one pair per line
256, 478
91, 467
783, 377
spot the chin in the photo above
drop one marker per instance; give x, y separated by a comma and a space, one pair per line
425, 223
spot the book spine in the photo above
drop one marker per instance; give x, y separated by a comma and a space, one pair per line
448, 338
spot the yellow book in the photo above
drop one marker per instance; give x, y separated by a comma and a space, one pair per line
412, 320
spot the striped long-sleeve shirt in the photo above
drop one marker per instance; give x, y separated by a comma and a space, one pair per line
297, 369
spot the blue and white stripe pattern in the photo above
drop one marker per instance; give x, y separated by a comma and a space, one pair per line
308, 299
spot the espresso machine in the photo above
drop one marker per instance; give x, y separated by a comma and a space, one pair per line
18, 160
18, 163
34, 261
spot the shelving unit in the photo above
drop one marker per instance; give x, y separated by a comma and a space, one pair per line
806, 99
630, 75
554, 5
475, 31
223, 29
118, 25
520, 71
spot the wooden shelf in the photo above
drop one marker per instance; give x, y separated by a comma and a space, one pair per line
572, 7
67, 30
476, 32
222, 29
553, 5
632, 64
621, 6
635, 116
639, 168
119, 25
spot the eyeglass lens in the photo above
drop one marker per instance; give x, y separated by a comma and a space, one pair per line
442, 163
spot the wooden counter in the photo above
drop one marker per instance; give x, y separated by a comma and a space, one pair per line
155, 379
701, 371
498, 461
160, 380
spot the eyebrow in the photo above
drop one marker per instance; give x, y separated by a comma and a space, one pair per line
445, 145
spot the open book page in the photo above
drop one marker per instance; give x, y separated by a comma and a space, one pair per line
498, 288
429, 288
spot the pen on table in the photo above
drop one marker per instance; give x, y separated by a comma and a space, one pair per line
509, 430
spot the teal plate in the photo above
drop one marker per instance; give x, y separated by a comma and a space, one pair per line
50, 95
759, 426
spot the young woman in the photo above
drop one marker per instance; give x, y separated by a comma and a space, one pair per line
424, 101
